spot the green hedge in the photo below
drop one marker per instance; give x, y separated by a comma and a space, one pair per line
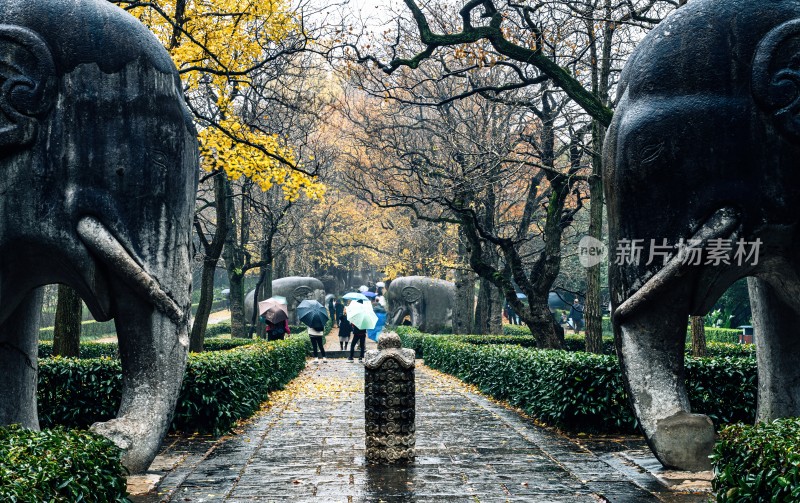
758, 463
218, 344
582, 391
713, 334
216, 329
90, 329
59, 466
218, 389
413, 338
516, 329
87, 349
109, 349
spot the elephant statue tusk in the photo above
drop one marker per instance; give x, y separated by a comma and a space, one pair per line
100, 240
721, 223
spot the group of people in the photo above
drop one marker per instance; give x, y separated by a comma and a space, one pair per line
351, 335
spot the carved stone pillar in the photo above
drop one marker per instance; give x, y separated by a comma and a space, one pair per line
389, 402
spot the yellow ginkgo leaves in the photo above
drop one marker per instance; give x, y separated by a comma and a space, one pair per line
218, 47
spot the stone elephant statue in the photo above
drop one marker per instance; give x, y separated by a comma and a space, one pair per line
99, 163
428, 301
296, 289
703, 153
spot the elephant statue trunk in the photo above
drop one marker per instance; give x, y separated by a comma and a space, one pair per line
703, 188
100, 165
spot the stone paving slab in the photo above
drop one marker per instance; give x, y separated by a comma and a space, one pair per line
308, 445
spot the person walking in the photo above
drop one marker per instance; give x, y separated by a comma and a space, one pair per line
359, 337
344, 332
338, 307
331, 306
276, 331
317, 335
381, 313
576, 316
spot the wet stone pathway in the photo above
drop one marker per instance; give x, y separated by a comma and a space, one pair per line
308, 445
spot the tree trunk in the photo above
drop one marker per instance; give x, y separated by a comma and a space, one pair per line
67, 329
488, 313
204, 306
234, 262
593, 312
464, 308
212, 251
238, 324
698, 336
539, 319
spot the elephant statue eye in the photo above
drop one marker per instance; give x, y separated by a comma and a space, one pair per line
302, 293
158, 158
652, 152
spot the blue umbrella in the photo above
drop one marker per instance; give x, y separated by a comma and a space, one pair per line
312, 313
521, 296
354, 296
370, 294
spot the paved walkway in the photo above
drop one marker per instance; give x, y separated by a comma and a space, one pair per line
308, 445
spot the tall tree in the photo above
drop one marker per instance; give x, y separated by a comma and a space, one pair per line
494, 167
67, 328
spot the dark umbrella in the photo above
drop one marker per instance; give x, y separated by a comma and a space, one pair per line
312, 313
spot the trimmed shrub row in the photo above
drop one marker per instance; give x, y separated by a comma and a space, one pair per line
87, 349
413, 339
218, 344
110, 349
218, 389
582, 391
217, 329
90, 329
59, 466
720, 334
758, 463
222, 387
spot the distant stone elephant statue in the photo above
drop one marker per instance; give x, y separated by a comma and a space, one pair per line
99, 164
296, 289
702, 161
428, 302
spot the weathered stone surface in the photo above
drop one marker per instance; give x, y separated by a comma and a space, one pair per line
427, 301
389, 402
100, 163
704, 151
310, 446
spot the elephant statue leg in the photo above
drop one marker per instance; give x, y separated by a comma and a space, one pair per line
651, 352
19, 341
777, 346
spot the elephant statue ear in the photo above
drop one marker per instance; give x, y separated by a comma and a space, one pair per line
301, 293
411, 294
776, 77
27, 85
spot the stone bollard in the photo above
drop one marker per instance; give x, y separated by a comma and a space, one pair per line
389, 402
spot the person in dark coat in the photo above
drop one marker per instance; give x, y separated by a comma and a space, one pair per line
345, 329
339, 310
277, 331
332, 310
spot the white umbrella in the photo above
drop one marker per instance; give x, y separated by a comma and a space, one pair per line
363, 288
380, 284
362, 315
